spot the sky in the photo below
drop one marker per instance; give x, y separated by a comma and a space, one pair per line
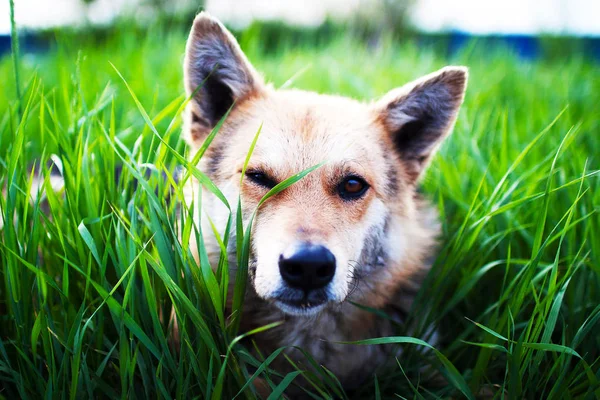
578, 17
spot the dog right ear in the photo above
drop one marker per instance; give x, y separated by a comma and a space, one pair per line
217, 73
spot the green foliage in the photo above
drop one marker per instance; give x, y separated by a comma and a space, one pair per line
15, 50
88, 284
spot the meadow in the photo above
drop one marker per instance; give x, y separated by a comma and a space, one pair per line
89, 278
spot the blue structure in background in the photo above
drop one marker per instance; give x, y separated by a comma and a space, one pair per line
528, 47
28, 43
592, 46
4, 44
525, 46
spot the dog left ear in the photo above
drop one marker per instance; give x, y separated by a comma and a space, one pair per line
419, 115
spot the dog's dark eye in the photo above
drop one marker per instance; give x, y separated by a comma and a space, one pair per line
352, 188
261, 179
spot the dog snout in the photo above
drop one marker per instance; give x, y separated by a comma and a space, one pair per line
308, 267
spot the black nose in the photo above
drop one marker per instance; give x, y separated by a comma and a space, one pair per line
309, 267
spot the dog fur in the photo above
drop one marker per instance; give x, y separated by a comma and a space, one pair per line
383, 242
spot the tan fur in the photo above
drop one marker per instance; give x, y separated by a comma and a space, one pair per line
383, 242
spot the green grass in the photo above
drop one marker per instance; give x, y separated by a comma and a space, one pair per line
88, 284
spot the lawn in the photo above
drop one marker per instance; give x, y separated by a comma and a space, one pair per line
89, 279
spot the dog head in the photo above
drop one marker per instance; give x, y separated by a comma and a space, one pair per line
348, 218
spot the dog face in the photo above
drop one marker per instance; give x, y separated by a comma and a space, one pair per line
346, 219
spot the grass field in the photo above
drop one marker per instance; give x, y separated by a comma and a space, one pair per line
88, 284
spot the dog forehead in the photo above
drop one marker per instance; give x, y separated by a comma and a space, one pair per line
302, 129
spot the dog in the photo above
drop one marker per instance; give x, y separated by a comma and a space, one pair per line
355, 230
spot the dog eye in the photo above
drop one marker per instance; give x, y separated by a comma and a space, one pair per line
352, 188
261, 179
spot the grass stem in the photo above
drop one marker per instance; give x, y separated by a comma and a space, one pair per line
14, 40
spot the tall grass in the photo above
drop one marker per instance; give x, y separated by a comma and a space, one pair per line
15, 50
89, 278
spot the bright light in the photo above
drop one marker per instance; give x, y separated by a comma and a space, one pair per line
578, 17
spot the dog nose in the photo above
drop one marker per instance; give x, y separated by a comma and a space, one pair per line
309, 267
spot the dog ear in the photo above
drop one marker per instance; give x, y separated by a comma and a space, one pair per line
420, 114
217, 72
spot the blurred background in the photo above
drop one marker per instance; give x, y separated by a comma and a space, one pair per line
571, 17
516, 23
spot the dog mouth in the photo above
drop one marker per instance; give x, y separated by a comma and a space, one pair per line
300, 308
300, 303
